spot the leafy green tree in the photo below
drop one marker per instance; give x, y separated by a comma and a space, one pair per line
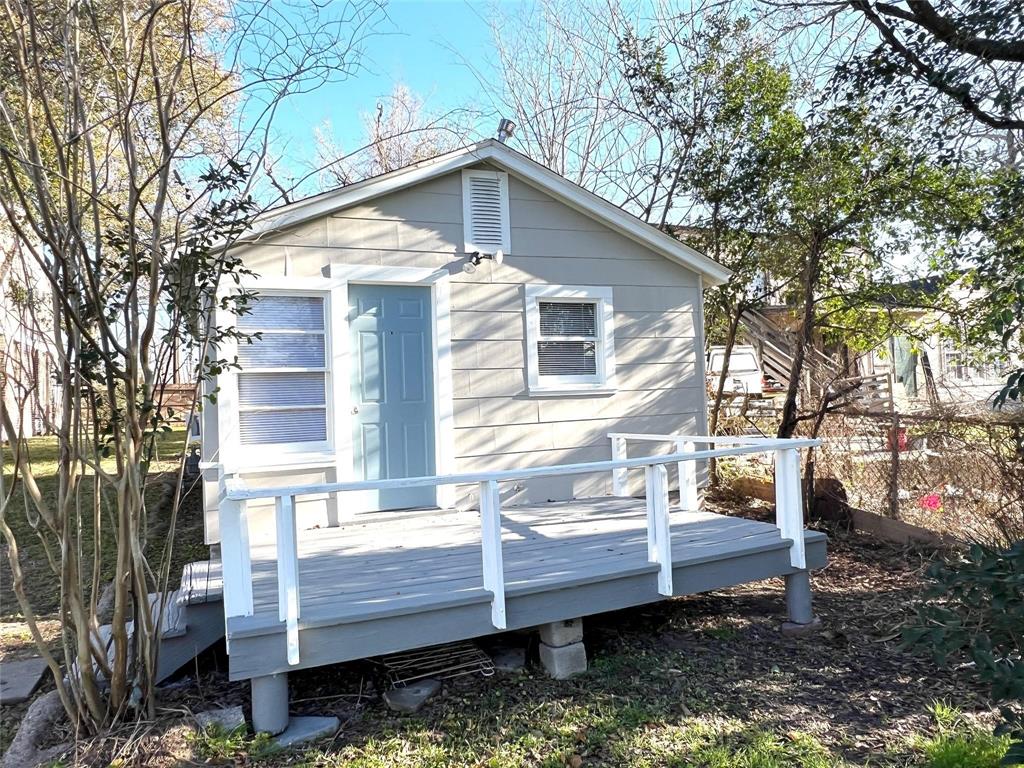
959, 68
945, 58
748, 106
848, 187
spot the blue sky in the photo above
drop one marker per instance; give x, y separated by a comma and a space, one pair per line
413, 45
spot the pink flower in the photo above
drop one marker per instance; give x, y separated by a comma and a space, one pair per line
931, 502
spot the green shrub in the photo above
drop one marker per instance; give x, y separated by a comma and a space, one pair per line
974, 610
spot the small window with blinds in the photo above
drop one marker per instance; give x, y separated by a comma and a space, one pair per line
570, 338
282, 385
567, 345
485, 211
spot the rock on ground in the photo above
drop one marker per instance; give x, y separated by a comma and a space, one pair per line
229, 719
411, 697
19, 679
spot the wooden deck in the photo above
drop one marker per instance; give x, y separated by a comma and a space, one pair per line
393, 581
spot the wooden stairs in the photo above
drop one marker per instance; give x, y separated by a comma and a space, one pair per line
822, 372
192, 621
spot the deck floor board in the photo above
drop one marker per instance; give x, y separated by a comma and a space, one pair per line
410, 557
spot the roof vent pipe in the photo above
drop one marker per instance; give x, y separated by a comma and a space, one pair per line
505, 128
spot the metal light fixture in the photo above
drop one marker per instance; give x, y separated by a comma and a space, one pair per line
476, 257
505, 128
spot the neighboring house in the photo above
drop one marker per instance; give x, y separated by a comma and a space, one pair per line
478, 339
930, 365
31, 395
919, 369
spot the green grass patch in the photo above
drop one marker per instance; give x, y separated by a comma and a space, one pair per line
959, 744
44, 456
217, 745
619, 741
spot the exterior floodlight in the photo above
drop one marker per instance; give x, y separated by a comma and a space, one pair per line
505, 128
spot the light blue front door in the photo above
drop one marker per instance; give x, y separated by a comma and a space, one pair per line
392, 389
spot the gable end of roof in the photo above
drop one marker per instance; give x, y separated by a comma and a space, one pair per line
529, 171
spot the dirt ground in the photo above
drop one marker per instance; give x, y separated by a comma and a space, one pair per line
713, 658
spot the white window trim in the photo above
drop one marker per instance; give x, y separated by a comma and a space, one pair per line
604, 381
506, 236
231, 450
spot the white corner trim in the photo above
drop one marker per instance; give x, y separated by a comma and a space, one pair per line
604, 382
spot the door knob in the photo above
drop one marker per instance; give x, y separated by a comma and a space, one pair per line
355, 409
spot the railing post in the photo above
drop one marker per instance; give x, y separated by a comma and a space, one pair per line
288, 573
789, 508
234, 548
688, 498
652, 531
620, 476
659, 527
490, 539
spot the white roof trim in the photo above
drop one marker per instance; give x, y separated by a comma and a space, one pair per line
524, 168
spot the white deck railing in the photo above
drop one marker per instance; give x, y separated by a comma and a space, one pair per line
235, 551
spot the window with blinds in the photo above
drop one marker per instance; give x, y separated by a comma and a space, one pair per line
570, 339
282, 387
485, 211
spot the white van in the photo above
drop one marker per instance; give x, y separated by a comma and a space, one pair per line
744, 377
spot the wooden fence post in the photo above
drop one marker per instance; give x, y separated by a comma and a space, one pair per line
894, 467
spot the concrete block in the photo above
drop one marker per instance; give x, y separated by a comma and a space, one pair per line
564, 661
19, 679
229, 718
411, 697
509, 658
559, 633
303, 729
792, 629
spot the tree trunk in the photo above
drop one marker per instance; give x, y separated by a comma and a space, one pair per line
812, 267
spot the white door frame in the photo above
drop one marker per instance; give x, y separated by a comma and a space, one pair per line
439, 282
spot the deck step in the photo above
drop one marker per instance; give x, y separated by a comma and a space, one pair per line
201, 582
192, 621
174, 622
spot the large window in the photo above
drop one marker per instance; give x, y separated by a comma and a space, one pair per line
282, 387
570, 339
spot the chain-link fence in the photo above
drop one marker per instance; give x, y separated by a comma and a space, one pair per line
953, 474
958, 475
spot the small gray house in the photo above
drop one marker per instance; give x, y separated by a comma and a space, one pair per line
460, 365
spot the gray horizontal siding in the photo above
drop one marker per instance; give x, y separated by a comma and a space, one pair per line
472, 325
659, 368
555, 435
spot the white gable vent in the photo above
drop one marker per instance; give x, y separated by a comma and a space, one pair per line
485, 211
